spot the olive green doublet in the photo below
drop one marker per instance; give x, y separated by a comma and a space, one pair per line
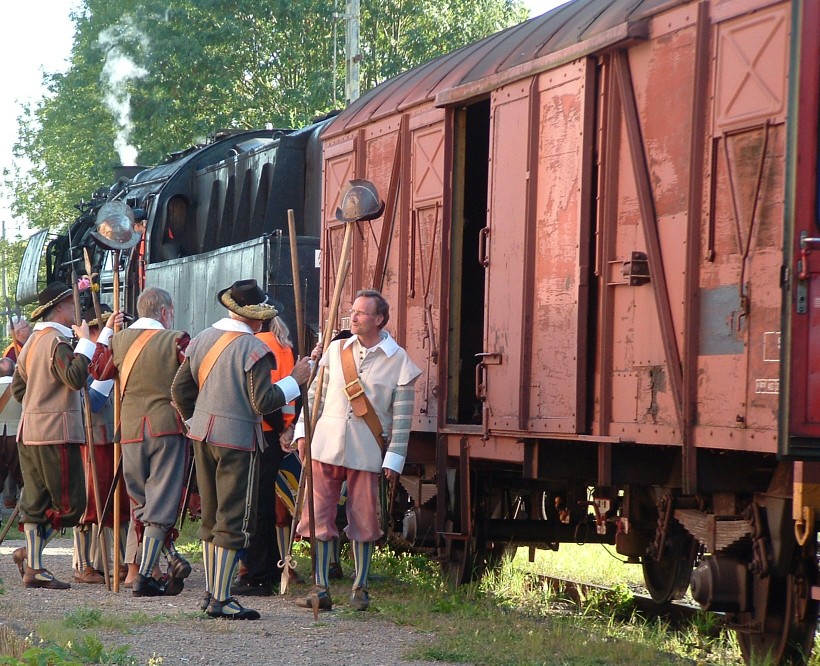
148, 392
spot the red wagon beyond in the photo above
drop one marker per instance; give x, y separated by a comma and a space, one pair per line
602, 245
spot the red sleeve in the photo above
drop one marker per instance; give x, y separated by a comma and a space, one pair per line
182, 345
102, 365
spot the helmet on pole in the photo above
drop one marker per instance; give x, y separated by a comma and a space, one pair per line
114, 227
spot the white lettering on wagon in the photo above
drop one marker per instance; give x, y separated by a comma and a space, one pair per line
771, 386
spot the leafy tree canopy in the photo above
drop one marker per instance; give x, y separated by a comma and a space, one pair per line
146, 77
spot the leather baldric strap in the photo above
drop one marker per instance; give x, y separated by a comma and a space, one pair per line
213, 353
4, 399
359, 401
132, 354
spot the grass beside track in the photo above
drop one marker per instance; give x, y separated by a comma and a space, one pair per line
510, 617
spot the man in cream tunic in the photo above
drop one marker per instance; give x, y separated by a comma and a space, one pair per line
345, 449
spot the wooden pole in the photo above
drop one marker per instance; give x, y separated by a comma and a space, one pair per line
11, 521
117, 419
95, 297
297, 284
89, 439
307, 472
103, 541
286, 559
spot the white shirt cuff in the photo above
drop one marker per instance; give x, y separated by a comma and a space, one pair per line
105, 336
393, 461
85, 347
289, 387
299, 430
103, 386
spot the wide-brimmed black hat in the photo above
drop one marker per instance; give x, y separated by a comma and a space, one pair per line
276, 304
49, 297
90, 315
245, 298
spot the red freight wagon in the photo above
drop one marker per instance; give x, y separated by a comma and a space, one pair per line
601, 243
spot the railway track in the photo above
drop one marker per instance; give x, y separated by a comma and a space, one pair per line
677, 613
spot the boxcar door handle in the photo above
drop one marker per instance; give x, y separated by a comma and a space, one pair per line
485, 359
480, 387
483, 257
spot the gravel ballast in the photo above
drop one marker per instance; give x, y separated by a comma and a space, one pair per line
184, 635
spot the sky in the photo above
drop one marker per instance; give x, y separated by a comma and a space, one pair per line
38, 38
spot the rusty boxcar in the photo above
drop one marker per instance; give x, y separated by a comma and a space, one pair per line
600, 243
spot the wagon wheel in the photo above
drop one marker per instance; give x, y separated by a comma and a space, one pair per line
790, 621
669, 579
459, 560
467, 560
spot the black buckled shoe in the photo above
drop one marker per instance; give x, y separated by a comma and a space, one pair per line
178, 567
146, 586
206, 601
178, 570
172, 586
230, 609
250, 588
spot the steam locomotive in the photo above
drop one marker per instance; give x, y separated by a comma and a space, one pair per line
212, 214
599, 242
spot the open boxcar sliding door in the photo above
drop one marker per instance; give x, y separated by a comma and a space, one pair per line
533, 367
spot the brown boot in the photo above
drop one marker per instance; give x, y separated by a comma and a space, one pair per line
89, 575
19, 556
43, 579
321, 594
360, 599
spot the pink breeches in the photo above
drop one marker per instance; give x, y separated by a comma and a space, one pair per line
362, 503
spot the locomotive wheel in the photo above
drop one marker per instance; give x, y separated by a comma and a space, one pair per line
668, 579
790, 621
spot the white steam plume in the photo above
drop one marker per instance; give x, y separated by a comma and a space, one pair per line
119, 69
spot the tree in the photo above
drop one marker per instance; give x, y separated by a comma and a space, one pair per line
150, 76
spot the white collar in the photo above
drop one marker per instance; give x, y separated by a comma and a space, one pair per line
147, 322
388, 345
228, 324
65, 331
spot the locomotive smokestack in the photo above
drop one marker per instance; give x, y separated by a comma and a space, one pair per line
127, 172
